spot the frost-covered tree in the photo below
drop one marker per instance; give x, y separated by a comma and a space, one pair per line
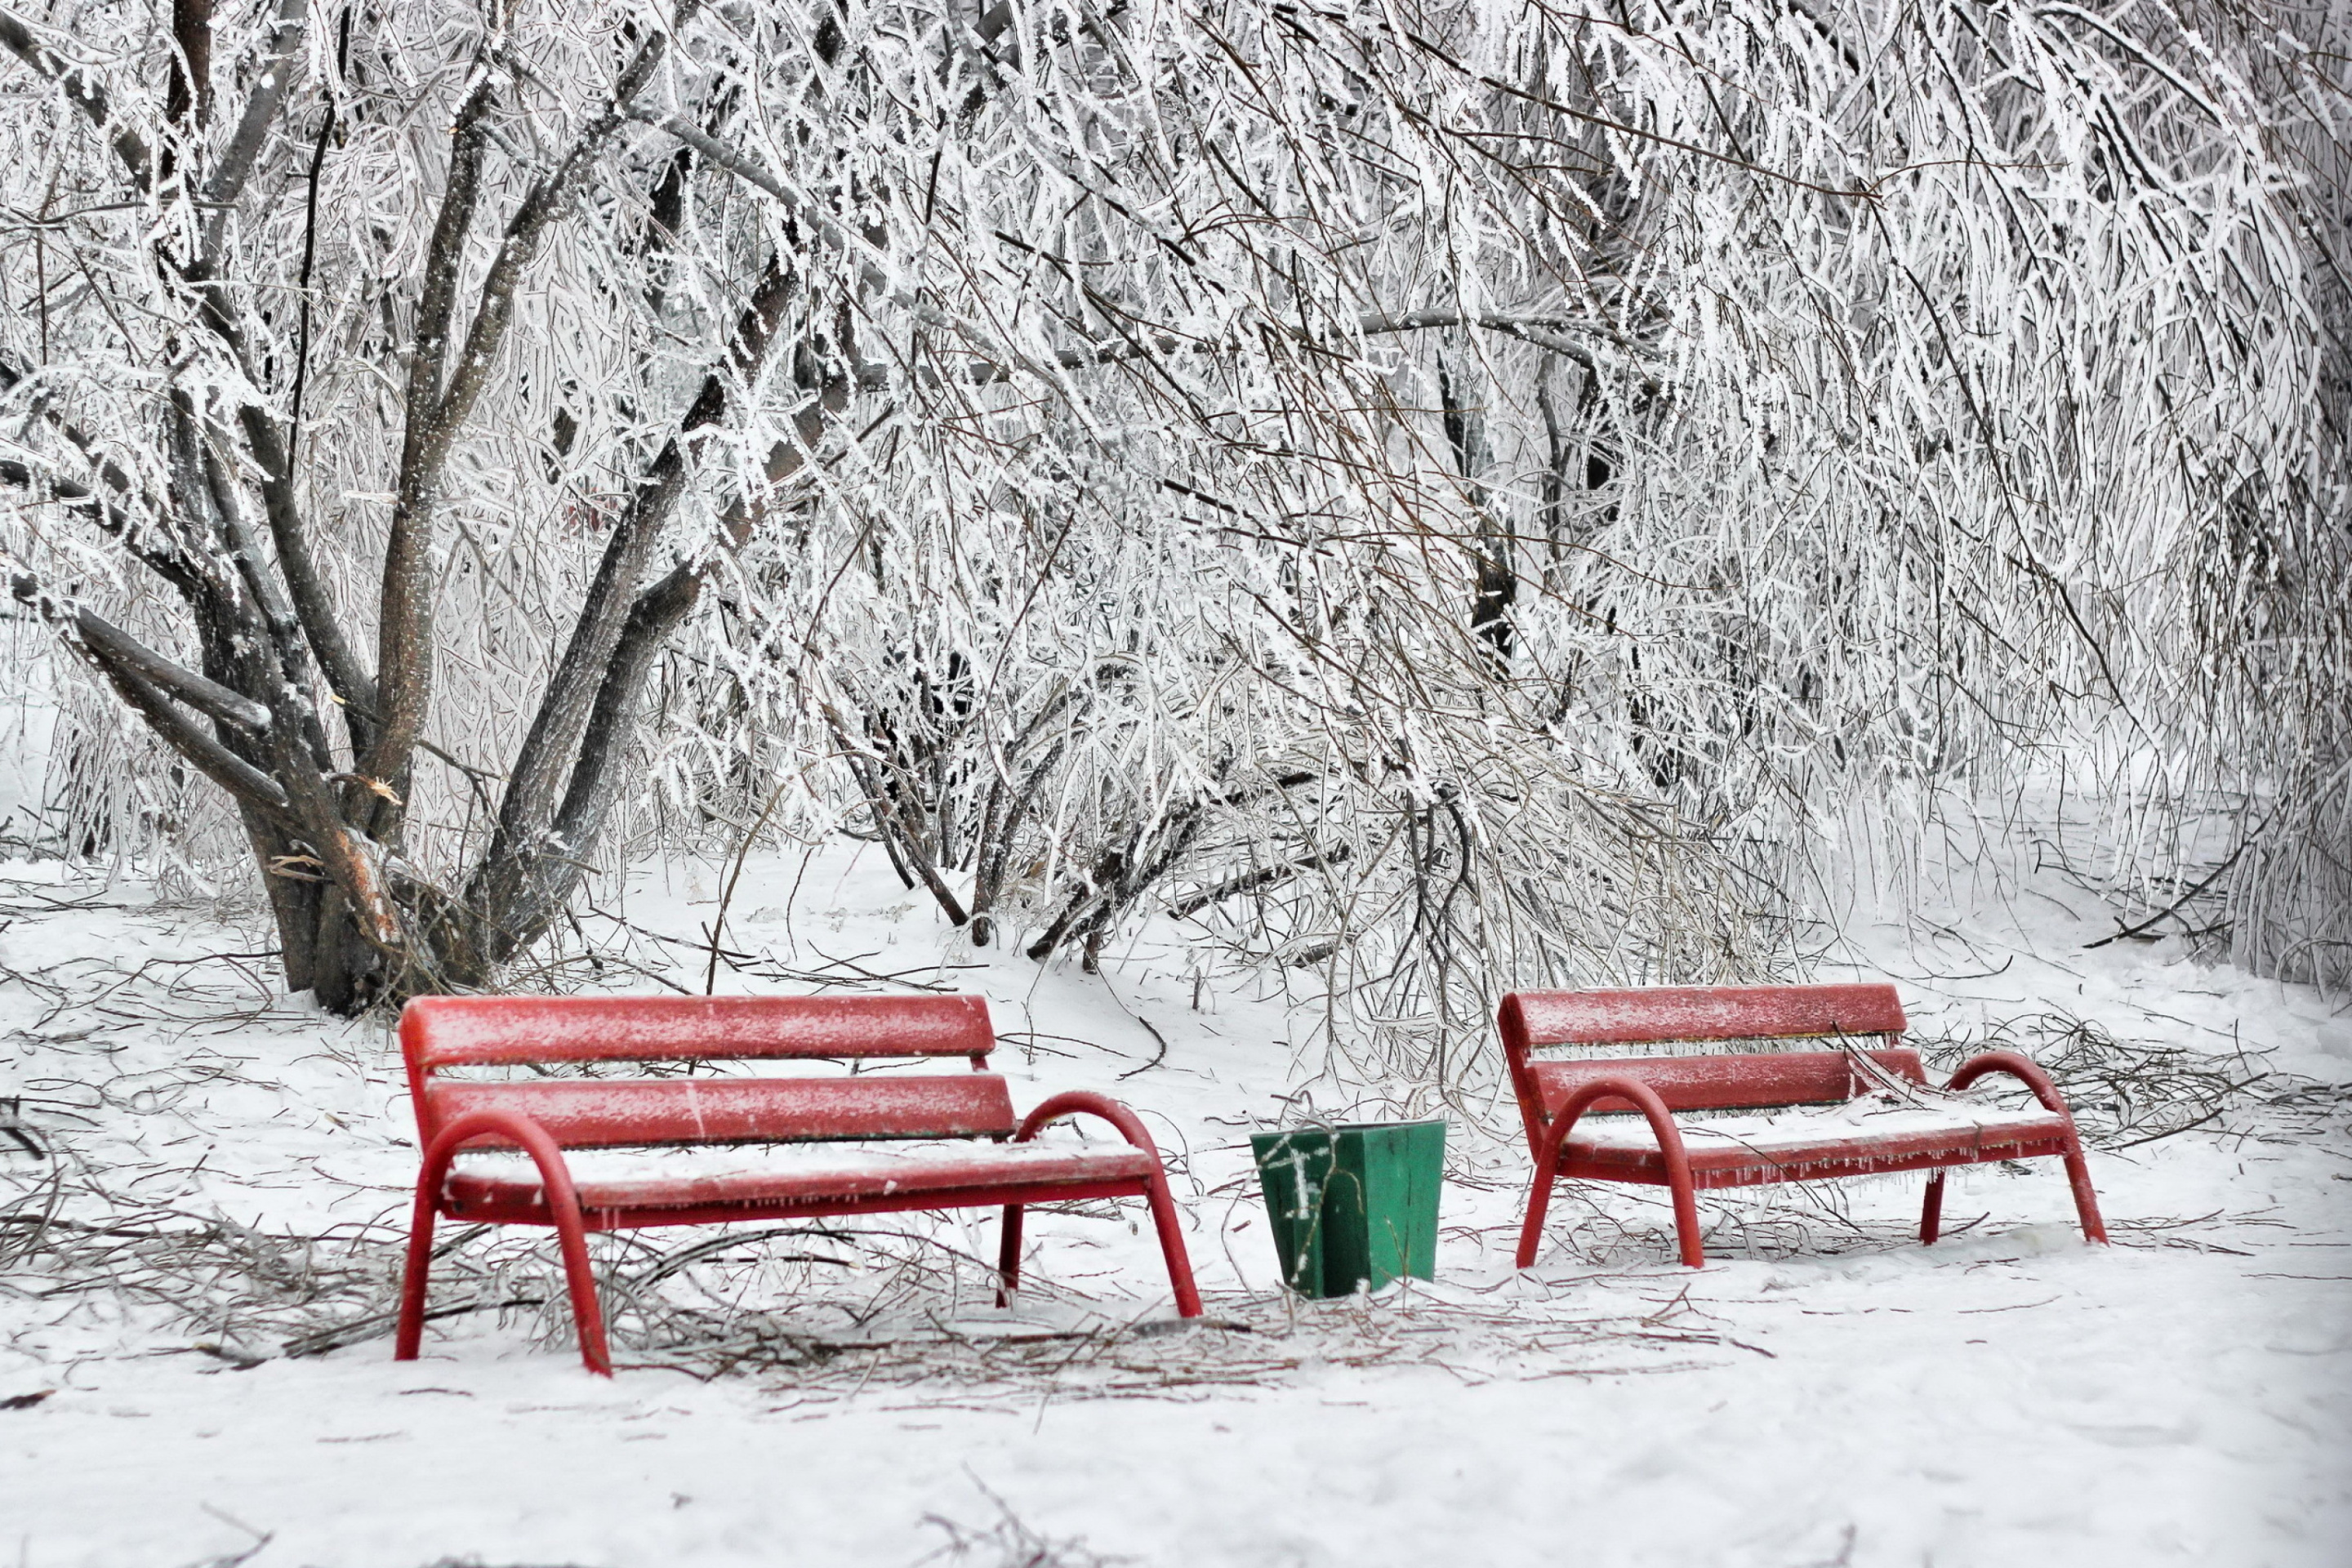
1439, 493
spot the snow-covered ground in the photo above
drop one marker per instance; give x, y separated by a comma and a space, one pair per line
1822, 1393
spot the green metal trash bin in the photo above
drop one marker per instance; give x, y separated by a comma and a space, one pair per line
1355, 1206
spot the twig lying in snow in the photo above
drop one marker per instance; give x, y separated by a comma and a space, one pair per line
2124, 1093
1009, 1542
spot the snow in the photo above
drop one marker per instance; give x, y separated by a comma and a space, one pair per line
618, 1177
1867, 1115
1824, 1391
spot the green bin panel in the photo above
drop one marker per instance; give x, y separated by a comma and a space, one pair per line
1353, 1206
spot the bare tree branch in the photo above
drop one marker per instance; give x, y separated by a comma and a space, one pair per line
168, 561
563, 711
289, 532
129, 666
190, 89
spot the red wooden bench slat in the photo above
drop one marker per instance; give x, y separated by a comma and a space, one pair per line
987, 1165
997, 1191
1656, 1014
1751, 1082
545, 1117
1686, 1160
592, 1113
451, 1031
1854, 1154
1829, 1159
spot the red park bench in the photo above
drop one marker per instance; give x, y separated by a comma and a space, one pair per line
789, 1158
1866, 1133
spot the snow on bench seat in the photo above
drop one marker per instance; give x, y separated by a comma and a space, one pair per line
1873, 1133
499, 1184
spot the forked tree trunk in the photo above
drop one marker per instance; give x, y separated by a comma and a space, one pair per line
355, 926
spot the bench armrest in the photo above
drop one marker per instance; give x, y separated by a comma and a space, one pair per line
1670, 1148
563, 1200
1085, 1102
554, 1174
1653, 1110
2018, 1067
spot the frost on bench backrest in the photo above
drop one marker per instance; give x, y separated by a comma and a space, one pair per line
1660, 1014
450, 1031
1656, 1014
441, 1032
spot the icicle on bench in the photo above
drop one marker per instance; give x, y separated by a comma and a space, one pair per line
1872, 1111
714, 1149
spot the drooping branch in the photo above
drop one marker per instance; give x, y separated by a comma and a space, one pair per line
297, 564
530, 889
168, 560
134, 670
653, 620
1551, 332
1257, 880
243, 780
227, 181
1498, 583
584, 683
546, 203
1744, 532
82, 90
547, 751
908, 846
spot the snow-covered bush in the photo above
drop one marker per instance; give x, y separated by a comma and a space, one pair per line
1443, 496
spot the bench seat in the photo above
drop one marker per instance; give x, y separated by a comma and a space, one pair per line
1862, 1137
504, 1187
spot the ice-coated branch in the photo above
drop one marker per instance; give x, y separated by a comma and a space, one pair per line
437, 411
548, 201
191, 571
225, 185
1512, 429
140, 674
298, 563
119, 650
80, 89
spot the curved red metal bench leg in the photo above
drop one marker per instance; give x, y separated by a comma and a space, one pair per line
410, 1337
1679, 1183
2078, 1170
587, 1312
2086, 1202
1931, 1210
1083, 1103
1008, 1257
1538, 1201
1686, 1196
2078, 1176
563, 1207
1171, 1247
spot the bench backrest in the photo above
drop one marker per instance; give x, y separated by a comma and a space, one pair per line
1660, 1014
437, 1033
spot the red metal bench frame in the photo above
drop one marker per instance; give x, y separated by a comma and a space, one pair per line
1554, 1095
545, 1117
